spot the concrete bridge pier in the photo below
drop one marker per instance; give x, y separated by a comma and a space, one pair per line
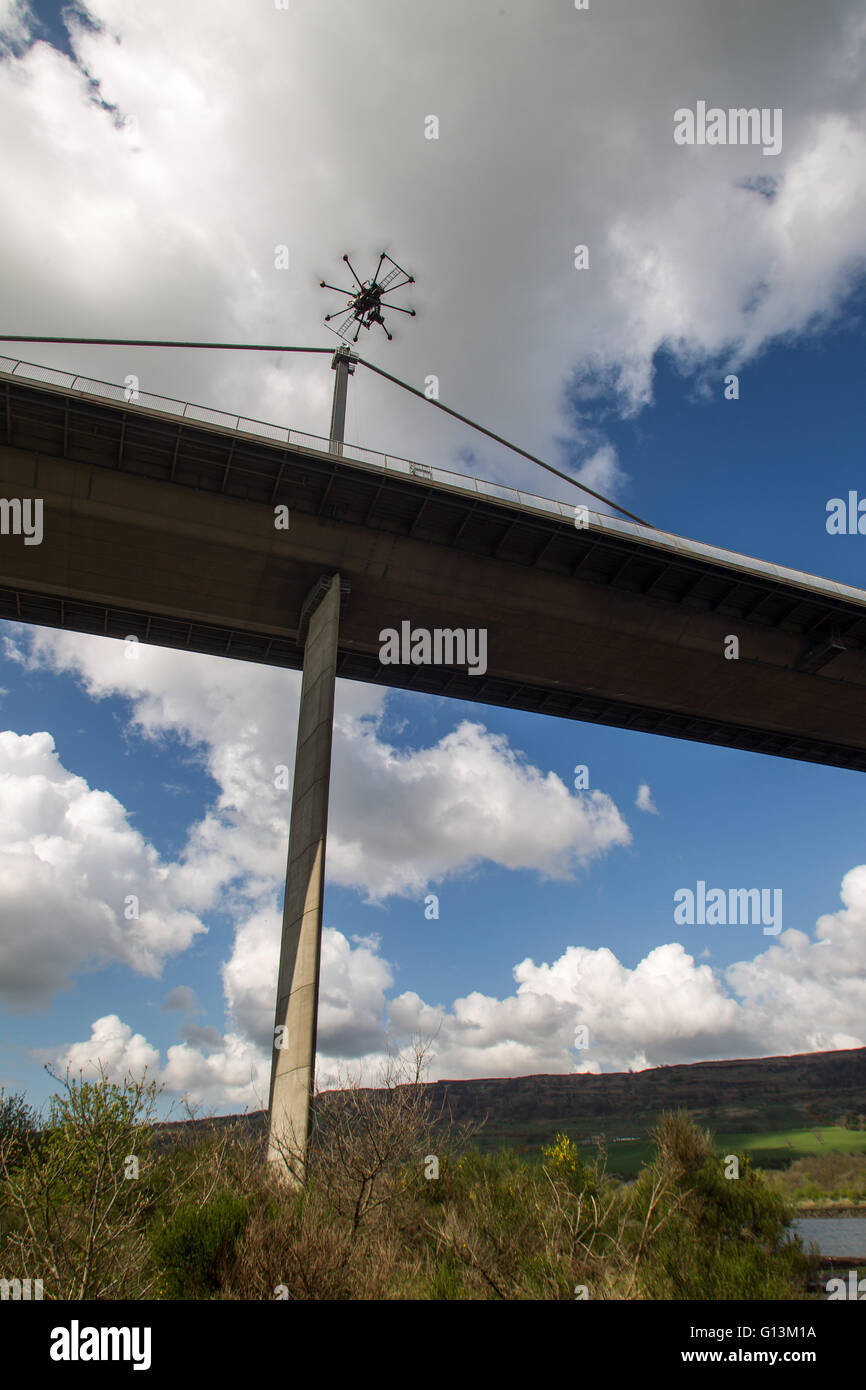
294, 1045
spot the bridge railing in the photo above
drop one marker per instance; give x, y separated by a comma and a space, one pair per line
281, 434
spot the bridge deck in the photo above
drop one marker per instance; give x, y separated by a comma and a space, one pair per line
159, 523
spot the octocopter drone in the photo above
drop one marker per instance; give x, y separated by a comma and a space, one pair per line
364, 306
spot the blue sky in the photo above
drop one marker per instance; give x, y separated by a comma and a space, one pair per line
555, 907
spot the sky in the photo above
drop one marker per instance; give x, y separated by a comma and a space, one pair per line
155, 159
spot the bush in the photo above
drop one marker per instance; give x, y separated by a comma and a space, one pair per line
194, 1244
78, 1203
817, 1176
563, 1159
722, 1238
18, 1126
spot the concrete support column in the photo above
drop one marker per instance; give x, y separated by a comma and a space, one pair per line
343, 363
294, 1056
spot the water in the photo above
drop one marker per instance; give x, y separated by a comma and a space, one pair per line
833, 1235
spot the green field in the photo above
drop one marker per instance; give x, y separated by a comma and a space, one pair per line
771, 1149
768, 1149
777, 1138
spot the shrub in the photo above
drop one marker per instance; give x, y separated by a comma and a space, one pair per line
722, 1238
18, 1126
563, 1159
194, 1243
79, 1206
823, 1175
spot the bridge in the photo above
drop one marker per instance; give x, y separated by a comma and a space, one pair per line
159, 523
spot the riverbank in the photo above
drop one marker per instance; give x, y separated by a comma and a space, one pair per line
830, 1208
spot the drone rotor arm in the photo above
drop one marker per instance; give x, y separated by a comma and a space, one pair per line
352, 268
323, 285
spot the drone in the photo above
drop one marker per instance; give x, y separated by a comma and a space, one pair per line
365, 304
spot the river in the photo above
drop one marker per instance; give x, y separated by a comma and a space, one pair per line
842, 1236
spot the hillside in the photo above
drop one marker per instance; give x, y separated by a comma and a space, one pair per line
745, 1096
814, 1087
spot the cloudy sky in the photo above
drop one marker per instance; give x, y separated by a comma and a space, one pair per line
155, 157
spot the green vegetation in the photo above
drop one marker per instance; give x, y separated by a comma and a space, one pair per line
743, 1251
823, 1179
779, 1147
97, 1209
771, 1149
743, 1102
18, 1126
195, 1242
73, 1202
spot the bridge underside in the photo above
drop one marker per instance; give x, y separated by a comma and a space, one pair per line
164, 529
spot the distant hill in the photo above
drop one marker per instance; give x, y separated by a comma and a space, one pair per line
818, 1086
748, 1095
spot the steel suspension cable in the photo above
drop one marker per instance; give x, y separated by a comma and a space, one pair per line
281, 347
499, 440
154, 342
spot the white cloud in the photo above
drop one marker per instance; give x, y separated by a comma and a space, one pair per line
14, 24
70, 862
404, 820
644, 800
238, 1075
398, 820
156, 219
113, 1045
799, 995
602, 473
812, 995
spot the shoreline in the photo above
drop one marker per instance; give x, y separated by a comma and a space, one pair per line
841, 1209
